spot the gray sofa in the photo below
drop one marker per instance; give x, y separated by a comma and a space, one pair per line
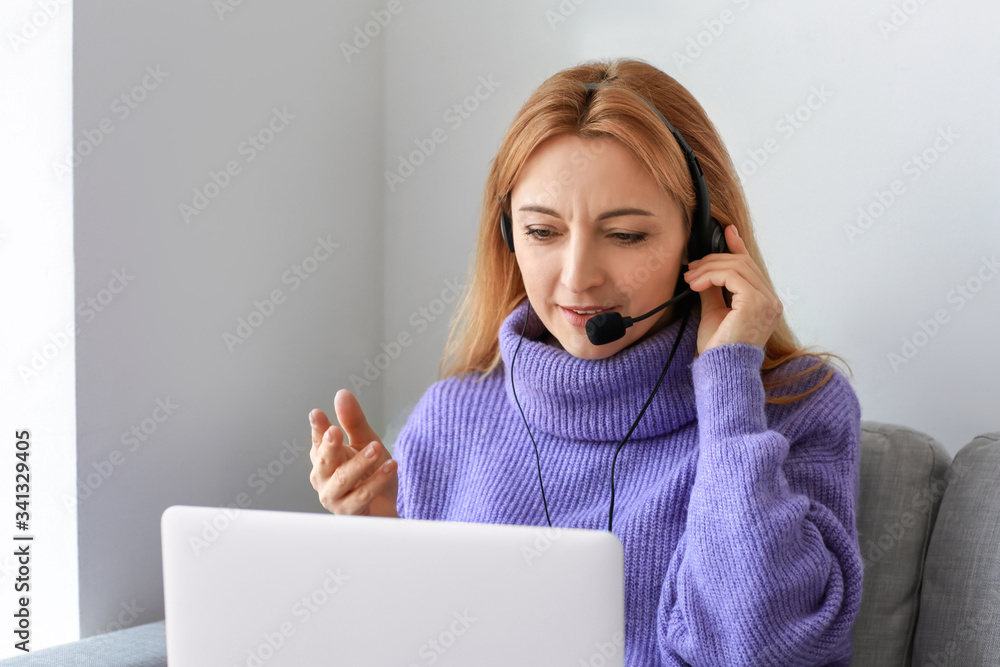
929, 531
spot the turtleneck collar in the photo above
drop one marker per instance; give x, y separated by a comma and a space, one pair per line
599, 399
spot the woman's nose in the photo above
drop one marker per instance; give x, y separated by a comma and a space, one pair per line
582, 268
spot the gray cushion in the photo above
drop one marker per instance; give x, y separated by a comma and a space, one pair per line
902, 483
960, 600
141, 646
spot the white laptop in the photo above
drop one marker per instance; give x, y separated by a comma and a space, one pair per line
259, 588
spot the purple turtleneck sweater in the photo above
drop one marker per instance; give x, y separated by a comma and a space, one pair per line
737, 517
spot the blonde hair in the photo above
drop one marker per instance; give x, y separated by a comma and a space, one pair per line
617, 110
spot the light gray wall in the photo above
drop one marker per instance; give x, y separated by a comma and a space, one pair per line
892, 74
161, 336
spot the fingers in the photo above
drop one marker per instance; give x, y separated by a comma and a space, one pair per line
733, 240
320, 423
328, 455
323, 432
353, 485
708, 270
352, 419
732, 278
348, 475
711, 299
746, 294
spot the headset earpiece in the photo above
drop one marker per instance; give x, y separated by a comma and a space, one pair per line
506, 226
718, 237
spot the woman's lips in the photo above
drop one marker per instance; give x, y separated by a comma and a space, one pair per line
578, 320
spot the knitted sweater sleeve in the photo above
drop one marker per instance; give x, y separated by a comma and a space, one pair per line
411, 452
768, 570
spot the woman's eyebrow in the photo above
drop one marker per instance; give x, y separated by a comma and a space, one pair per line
603, 216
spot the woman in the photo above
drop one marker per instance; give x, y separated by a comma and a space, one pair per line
735, 496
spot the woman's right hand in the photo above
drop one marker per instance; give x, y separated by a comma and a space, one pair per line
356, 478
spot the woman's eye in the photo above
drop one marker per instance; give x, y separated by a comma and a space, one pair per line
535, 233
623, 238
630, 239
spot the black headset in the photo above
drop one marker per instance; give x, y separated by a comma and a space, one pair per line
707, 236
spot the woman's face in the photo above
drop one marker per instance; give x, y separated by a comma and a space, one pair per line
593, 231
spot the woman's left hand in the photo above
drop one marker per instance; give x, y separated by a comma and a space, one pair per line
756, 309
